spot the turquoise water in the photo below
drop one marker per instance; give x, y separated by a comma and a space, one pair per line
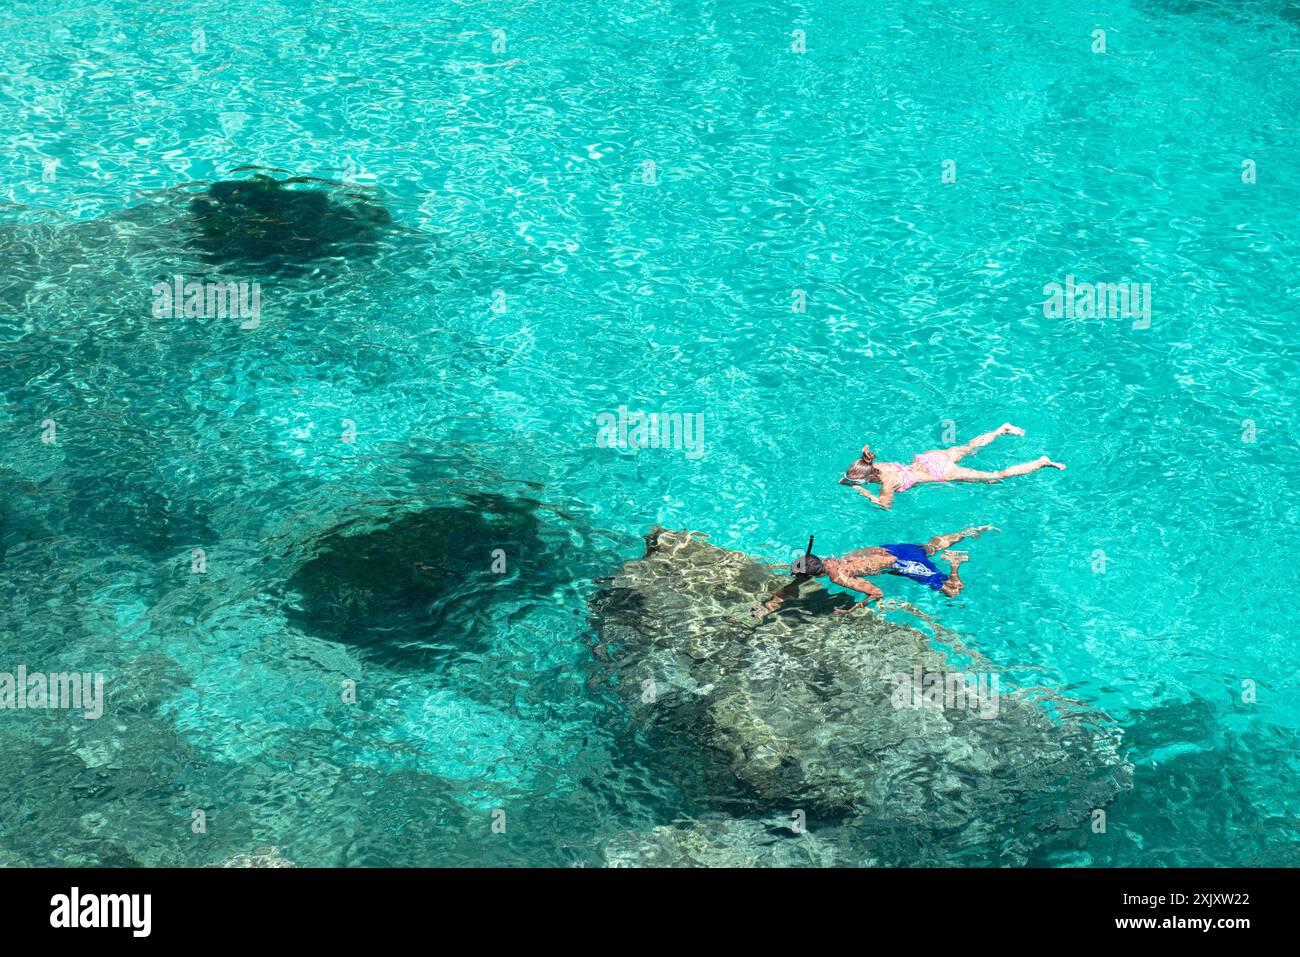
538, 280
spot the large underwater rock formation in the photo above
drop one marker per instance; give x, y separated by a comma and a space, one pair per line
411, 589
271, 225
256, 228
263, 856
724, 842
799, 710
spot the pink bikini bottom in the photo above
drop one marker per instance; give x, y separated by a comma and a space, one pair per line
935, 464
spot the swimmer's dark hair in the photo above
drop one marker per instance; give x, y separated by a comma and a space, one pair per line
808, 564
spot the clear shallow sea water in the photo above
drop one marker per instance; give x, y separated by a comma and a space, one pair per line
522, 171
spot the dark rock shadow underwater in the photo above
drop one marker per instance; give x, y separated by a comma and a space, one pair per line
257, 228
267, 225
800, 712
261, 227
135, 392
415, 589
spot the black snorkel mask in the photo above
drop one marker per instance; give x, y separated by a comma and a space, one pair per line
808, 564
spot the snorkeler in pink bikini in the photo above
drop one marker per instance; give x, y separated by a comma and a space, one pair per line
937, 465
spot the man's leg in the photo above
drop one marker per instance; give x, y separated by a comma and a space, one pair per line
953, 586
940, 542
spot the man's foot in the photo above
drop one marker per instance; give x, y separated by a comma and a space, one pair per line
1008, 429
1048, 463
975, 530
956, 558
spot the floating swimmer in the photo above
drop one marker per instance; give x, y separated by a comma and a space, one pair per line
904, 560
937, 465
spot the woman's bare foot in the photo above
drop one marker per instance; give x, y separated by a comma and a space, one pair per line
1008, 429
1048, 463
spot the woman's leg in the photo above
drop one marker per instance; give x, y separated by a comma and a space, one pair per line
959, 474
958, 452
1024, 468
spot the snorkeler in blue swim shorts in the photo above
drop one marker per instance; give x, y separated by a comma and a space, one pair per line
904, 560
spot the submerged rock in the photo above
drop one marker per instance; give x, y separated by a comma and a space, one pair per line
263, 223
801, 710
413, 588
254, 229
20, 519
723, 842
264, 856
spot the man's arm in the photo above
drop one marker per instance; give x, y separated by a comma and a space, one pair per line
860, 585
788, 590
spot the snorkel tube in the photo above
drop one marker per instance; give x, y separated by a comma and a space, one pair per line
809, 564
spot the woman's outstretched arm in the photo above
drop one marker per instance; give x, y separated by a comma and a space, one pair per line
885, 499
